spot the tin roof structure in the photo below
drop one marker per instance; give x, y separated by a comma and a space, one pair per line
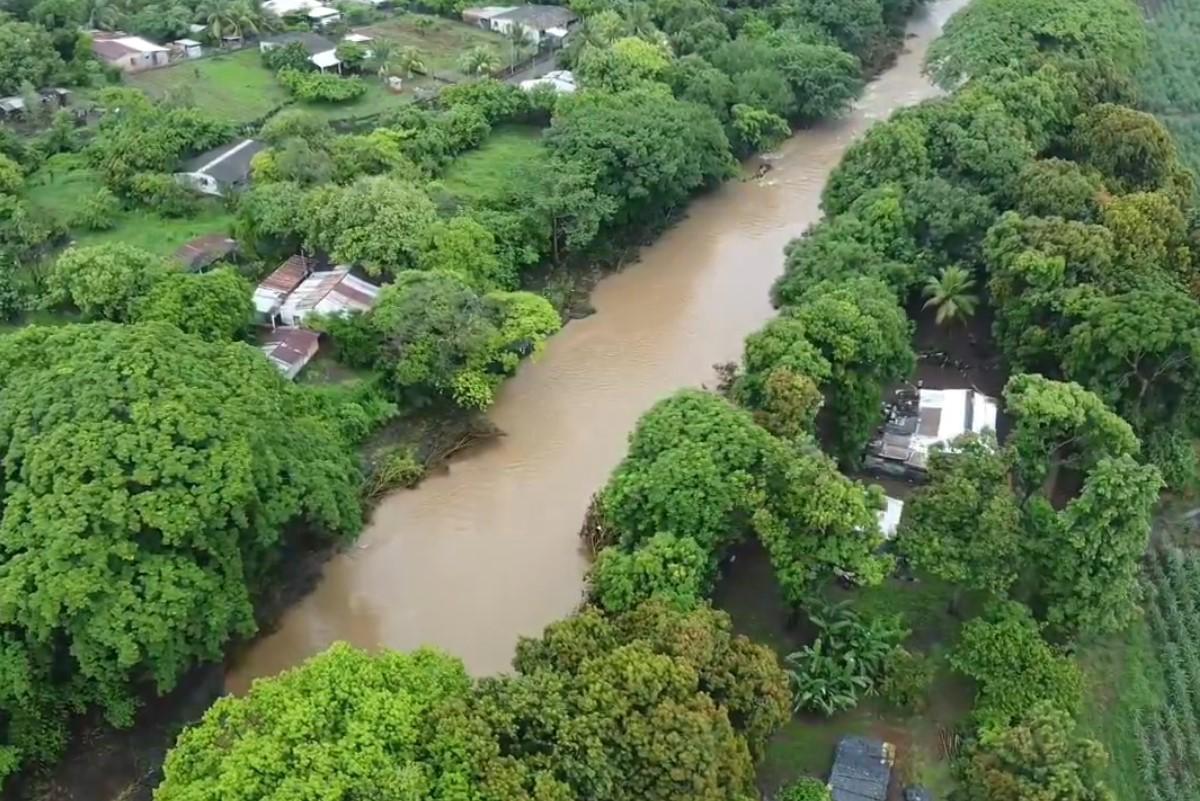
862, 769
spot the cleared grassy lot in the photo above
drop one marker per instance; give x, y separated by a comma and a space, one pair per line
489, 169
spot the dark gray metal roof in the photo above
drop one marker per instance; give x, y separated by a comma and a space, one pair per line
540, 17
226, 164
861, 770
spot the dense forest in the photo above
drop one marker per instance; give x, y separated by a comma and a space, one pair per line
1169, 83
156, 468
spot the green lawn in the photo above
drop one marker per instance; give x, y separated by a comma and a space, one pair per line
444, 42
62, 185
236, 86
805, 745
489, 169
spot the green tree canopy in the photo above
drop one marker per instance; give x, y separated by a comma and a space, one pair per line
27, 56
148, 480
104, 281
346, 724
439, 337
675, 570
965, 525
215, 306
1041, 755
992, 34
378, 222
1014, 668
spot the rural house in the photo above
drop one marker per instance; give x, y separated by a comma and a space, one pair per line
549, 24
222, 170
289, 349
921, 418
129, 53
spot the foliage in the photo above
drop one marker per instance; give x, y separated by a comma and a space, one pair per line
806, 789
104, 281
99, 212
1056, 187
479, 61
1015, 669
149, 478
440, 338
12, 177
992, 34
344, 724
378, 222
965, 525
640, 659
214, 306
846, 659
162, 193
291, 56
950, 294
674, 570
1091, 559
395, 467
1041, 755
27, 56
1131, 149
320, 87
907, 677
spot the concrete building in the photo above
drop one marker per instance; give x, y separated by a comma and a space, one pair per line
129, 53
542, 24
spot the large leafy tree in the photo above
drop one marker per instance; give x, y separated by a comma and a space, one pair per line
992, 34
104, 281
215, 306
648, 151
1132, 149
27, 56
675, 570
740, 678
965, 525
895, 151
345, 724
1013, 666
862, 332
148, 479
1092, 551
377, 222
1140, 352
1041, 755
438, 337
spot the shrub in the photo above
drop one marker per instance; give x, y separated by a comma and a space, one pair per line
291, 56
806, 789
906, 680
846, 659
99, 212
395, 467
318, 87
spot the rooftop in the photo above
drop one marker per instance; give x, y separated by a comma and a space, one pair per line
325, 59
332, 291
321, 12
204, 250
114, 47
862, 769
919, 420
270, 293
285, 7
540, 17
227, 163
289, 349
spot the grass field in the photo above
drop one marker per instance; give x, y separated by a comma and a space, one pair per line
486, 171
444, 41
805, 746
239, 88
236, 86
64, 183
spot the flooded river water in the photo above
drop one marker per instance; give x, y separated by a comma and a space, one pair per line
488, 551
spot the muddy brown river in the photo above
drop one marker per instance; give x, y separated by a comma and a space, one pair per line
488, 551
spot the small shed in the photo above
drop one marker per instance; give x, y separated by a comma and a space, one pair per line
203, 251
335, 292
324, 16
222, 170
862, 770
327, 60
289, 349
187, 48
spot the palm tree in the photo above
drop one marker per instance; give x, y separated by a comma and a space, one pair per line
234, 18
951, 294
479, 61
408, 60
104, 15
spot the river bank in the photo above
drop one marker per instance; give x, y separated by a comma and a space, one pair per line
486, 552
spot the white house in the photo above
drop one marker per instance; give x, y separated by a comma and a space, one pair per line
187, 48
537, 21
129, 53
919, 420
